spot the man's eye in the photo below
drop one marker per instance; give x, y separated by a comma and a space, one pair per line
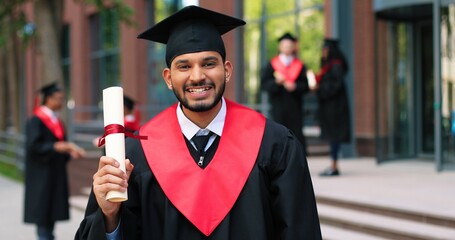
209, 64
183, 67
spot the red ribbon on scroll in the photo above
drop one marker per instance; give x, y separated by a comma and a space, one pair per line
117, 128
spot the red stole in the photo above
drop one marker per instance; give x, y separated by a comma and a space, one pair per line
326, 68
55, 127
131, 123
203, 196
290, 72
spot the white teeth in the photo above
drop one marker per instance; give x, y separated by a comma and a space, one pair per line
198, 90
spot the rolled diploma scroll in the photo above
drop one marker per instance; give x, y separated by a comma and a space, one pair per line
115, 143
311, 79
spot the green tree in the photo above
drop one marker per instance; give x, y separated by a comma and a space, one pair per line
10, 21
48, 19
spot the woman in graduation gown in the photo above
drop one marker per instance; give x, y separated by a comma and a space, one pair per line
333, 106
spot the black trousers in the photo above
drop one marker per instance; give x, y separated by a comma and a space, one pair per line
45, 231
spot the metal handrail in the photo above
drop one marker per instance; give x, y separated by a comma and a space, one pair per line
12, 149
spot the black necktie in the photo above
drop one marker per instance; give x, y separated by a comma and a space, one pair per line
201, 143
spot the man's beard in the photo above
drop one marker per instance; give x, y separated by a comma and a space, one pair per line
200, 106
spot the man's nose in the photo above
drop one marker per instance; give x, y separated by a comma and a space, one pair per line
197, 73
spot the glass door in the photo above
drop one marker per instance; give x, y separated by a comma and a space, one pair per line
425, 90
395, 96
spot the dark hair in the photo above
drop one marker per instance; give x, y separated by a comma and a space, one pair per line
128, 102
49, 90
334, 53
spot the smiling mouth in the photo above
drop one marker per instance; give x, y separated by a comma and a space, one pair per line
198, 90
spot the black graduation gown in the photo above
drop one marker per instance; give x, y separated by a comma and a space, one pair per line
286, 107
46, 180
333, 106
277, 201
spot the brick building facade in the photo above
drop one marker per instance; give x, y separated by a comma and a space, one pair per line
401, 89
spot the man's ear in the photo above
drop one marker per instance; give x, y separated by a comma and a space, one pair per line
228, 70
167, 78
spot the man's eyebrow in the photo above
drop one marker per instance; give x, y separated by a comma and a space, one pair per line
181, 61
210, 58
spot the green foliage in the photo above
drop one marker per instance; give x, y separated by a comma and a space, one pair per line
11, 172
12, 20
9, 6
266, 21
311, 39
307, 24
122, 10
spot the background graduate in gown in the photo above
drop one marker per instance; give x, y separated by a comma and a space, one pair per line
47, 154
284, 79
333, 106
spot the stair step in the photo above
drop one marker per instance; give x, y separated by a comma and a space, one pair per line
422, 217
86, 191
78, 202
335, 233
383, 226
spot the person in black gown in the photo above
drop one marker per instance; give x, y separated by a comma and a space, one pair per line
333, 106
47, 155
247, 178
284, 79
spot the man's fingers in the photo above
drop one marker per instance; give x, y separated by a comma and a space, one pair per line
110, 170
109, 178
128, 167
104, 160
107, 187
103, 182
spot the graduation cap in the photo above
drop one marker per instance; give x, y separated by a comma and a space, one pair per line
49, 89
192, 29
287, 36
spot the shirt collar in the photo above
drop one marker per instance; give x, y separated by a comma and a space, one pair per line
49, 112
286, 60
189, 129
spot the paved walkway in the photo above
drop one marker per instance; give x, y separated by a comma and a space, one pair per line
413, 185
11, 212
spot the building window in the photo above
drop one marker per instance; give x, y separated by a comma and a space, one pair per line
159, 96
104, 52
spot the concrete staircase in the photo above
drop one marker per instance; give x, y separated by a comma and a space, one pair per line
341, 219
80, 200
315, 146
